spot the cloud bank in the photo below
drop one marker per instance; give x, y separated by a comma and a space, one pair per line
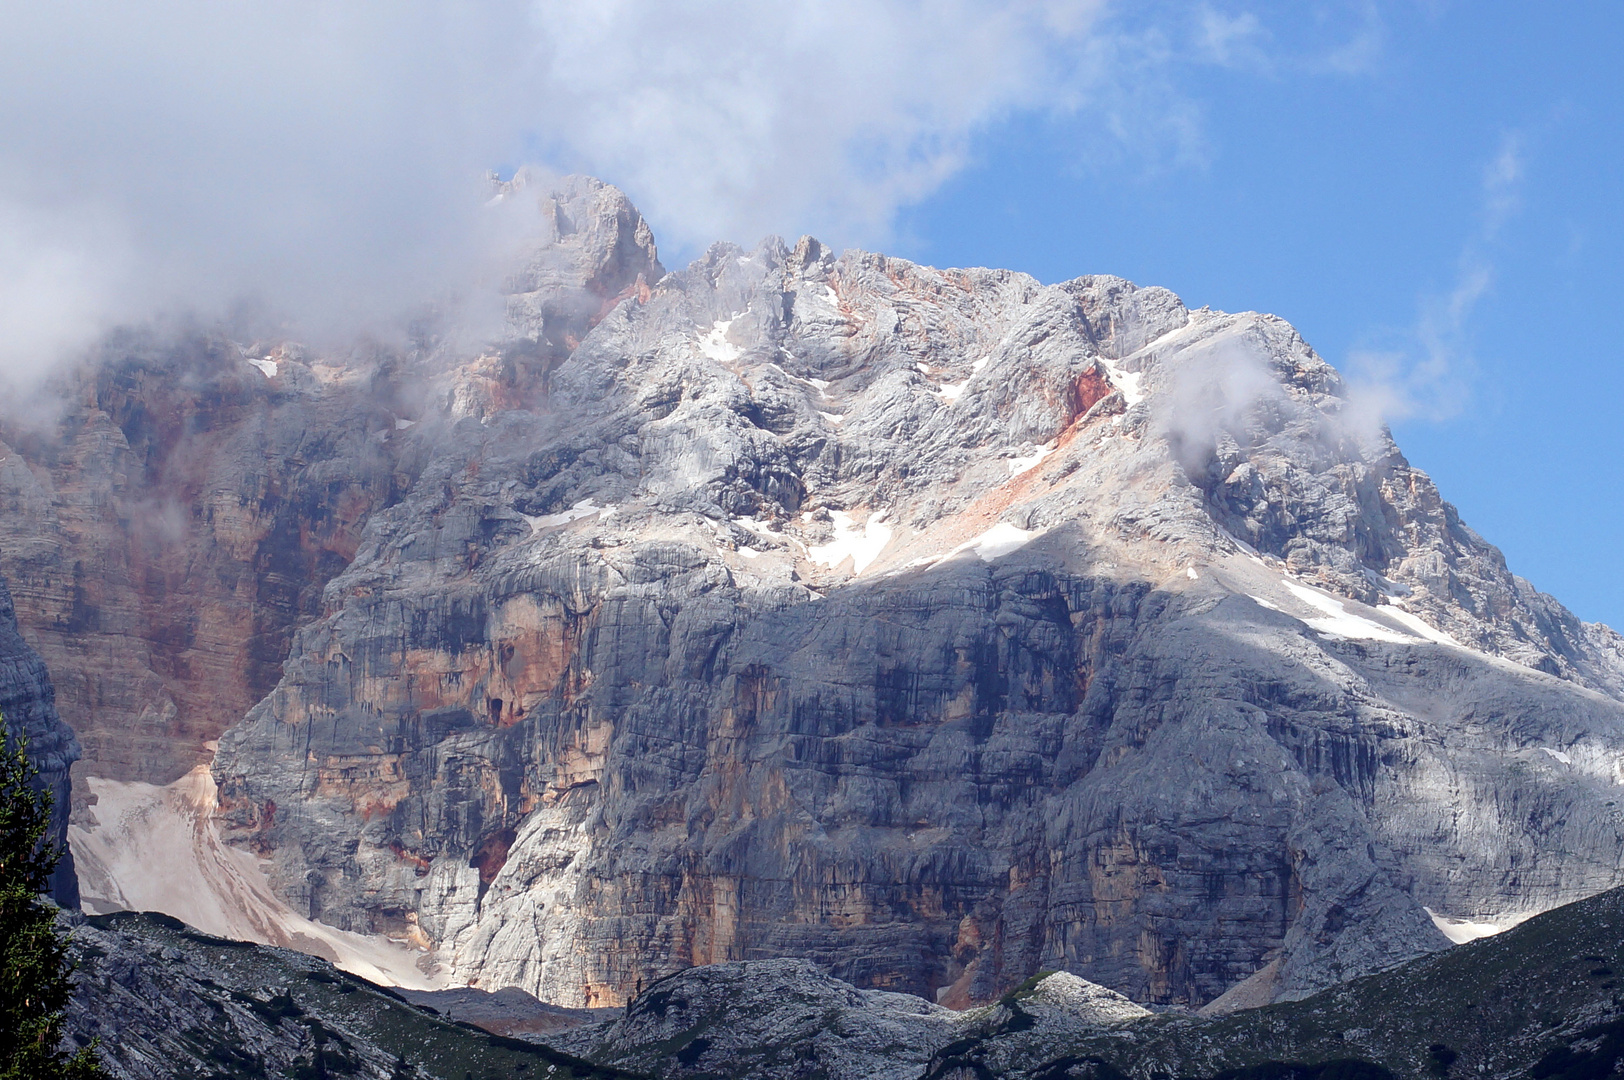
323, 159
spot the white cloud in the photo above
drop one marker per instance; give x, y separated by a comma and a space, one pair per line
1233, 40
322, 157
185, 153
325, 157
737, 119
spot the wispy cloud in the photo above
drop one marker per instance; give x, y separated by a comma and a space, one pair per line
1429, 373
732, 120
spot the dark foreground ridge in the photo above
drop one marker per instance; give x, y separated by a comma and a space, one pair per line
1541, 1001
169, 1002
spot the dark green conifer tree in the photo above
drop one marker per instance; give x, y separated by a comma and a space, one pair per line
34, 967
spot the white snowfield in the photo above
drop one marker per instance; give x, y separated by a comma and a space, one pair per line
584, 508
1460, 931
1338, 620
998, 541
267, 366
1018, 465
861, 547
1125, 381
716, 345
158, 849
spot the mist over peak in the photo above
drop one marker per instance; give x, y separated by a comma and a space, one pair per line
327, 163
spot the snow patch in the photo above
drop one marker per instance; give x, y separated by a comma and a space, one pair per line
1339, 621
924, 368
1460, 931
1420, 626
401, 423
1189, 572
267, 366
1126, 381
979, 364
861, 547
1260, 602
998, 541
748, 552
833, 418
1566, 759
821, 384
1022, 464
584, 508
950, 391
830, 295
762, 529
716, 345
158, 849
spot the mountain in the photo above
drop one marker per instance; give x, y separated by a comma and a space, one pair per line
936, 627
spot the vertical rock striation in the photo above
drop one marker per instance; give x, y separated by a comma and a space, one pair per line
28, 703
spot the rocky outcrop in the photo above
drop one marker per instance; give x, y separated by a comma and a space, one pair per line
770, 1019
935, 627
28, 703
784, 1019
164, 1001
1540, 1000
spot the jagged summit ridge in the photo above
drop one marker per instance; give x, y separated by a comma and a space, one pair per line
936, 626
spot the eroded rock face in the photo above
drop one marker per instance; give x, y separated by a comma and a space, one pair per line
175, 520
170, 532
932, 626
28, 703
845, 609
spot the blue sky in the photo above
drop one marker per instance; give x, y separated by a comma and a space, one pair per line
1449, 203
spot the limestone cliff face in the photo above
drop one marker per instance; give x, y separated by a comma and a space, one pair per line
170, 533
927, 624
933, 626
169, 530
28, 703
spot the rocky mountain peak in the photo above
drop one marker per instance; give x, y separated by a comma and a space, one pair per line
933, 627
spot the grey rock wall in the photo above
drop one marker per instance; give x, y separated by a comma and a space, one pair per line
617, 687
28, 703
